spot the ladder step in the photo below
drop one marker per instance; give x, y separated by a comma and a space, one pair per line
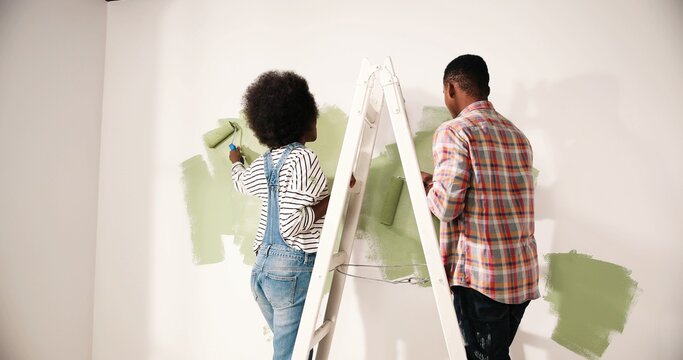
321, 332
337, 259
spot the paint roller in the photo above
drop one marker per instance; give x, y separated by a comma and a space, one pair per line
216, 136
391, 198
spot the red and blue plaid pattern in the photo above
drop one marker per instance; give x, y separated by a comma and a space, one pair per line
483, 193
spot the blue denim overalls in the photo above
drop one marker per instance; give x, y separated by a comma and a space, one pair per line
281, 274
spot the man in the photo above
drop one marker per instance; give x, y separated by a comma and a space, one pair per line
482, 191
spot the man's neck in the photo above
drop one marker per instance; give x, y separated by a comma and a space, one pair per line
469, 101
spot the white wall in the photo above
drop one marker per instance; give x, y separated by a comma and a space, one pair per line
595, 85
51, 78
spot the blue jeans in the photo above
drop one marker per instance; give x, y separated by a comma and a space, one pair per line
488, 327
279, 282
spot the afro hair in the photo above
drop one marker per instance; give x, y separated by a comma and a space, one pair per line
279, 108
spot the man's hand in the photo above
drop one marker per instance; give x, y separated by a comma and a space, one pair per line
236, 156
426, 181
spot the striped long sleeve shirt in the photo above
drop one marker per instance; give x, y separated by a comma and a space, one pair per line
484, 196
302, 184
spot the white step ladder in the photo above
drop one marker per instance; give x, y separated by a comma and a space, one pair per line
344, 210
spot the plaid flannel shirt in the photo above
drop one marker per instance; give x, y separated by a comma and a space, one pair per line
483, 194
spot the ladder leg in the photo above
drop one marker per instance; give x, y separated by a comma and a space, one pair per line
351, 222
335, 212
423, 217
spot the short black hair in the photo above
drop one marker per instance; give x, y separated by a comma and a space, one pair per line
470, 73
279, 108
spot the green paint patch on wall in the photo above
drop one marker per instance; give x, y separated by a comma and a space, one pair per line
399, 243
206, 203
215, 208
592, 299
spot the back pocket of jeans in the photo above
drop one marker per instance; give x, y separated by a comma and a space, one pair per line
279, 290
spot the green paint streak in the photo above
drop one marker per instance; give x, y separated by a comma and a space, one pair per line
205, 200
592, 299
213, 205
331, 129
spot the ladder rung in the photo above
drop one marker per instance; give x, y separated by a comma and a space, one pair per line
337, 259
321, 332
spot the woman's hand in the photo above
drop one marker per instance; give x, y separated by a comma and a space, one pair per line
236, 156
320, 209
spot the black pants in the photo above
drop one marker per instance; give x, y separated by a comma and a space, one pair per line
488, 327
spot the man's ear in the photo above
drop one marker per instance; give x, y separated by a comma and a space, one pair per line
451, 89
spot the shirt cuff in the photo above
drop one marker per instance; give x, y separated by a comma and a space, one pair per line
234, 165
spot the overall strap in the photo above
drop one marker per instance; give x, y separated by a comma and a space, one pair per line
272, 234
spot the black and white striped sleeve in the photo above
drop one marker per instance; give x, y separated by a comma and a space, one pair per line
306, 187
250, 181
